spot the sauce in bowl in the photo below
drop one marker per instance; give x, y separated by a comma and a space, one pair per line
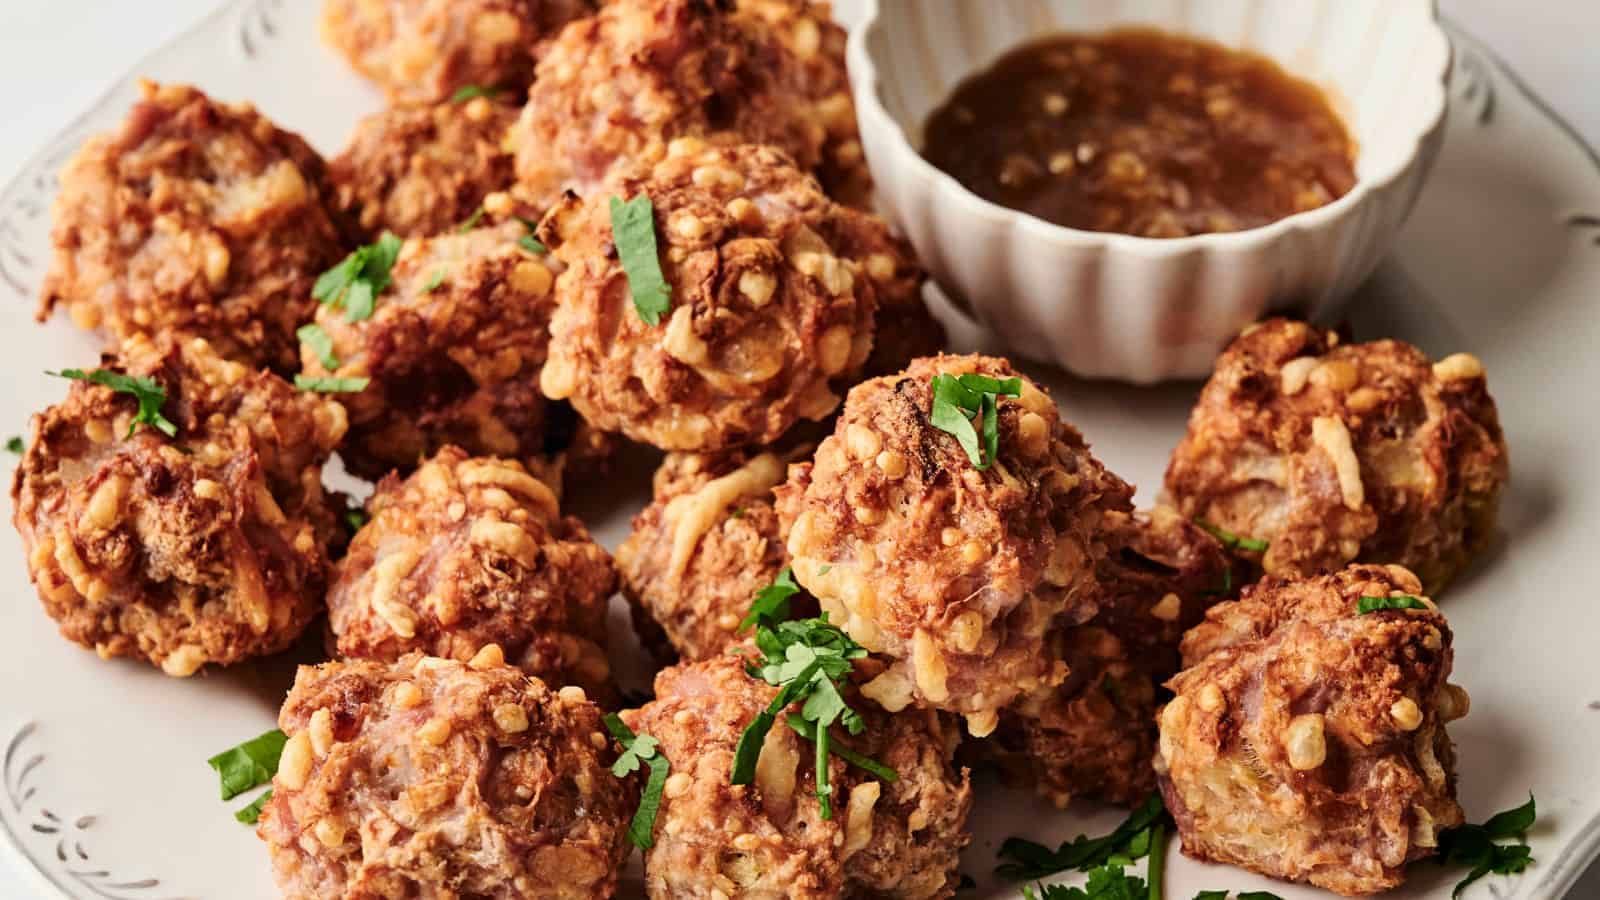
1142, 132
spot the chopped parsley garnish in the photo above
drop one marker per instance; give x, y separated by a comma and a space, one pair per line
251, 814
1404, 601
825, 569
14, 444
960, 401
807, 660
1499, 845
434, 281
251, 764
633, 230
469, 91
640, 750
353, 385
800, 726
320, 343
1027, 861
355, 518
771, 604
1232, 541
359, 278
531, 244
150, 394
471, 222
1242, 895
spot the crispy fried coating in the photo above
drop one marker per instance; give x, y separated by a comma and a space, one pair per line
469, 552
433, 779
453, 350
1095, 734
1335, 453
699, 553
208, 547
951, 573
615, 89
423, 51
194, 216
770, 313
1306, 740
423, 169
899, 839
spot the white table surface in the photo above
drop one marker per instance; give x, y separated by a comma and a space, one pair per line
58, 56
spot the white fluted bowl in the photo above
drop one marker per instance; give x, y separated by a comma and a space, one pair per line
1149, 309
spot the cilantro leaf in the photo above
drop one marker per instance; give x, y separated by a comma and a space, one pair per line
471, 222
14, 444
633, 230
771, 605
1373, 604
1512, 823
359, 278
320, 343
531, 244
1211, 895
251, 814
329, 385
150, 394
251, 764
1257, 895
1476, 847
959, 400
1230, 540
637, 750
355, 518
469, 91
800, 726
1027, 861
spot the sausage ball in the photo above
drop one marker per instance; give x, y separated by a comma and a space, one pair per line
900, 839
1306, 741
423, 51
951, 573
452, 353
205, 547
615, 89
1095, 734
470, 552
194, 216
700, 552
421, 169
1332, 453
770, 313
435, 779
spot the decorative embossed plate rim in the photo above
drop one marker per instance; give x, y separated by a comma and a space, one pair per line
105, 793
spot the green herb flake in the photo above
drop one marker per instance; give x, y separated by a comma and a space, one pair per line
320, 343
1498, 846
328, 385
251, 764
355, 518
825, 569
531, 244
471, 222
1404, 601
1028, 861
434, 280
633, 230
251, 814
640, 750
771, 603
470, 91
878, 770
1232, 541
14, 444
150, 394
959, 401
355, 283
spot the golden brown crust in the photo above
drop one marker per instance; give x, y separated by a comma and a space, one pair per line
1267, 455
194, 216
469, 552
770, 313
699, 553
209, 547
430, 779
768, 839
423, 51
422, 169
1095, 735
615, 89
455, 364
1307, 741
953, 574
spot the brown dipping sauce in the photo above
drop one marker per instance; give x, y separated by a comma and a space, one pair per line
1143, 132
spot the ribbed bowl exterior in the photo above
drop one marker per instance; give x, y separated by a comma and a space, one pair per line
1143, 309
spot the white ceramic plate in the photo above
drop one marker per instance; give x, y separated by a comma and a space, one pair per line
106, 793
